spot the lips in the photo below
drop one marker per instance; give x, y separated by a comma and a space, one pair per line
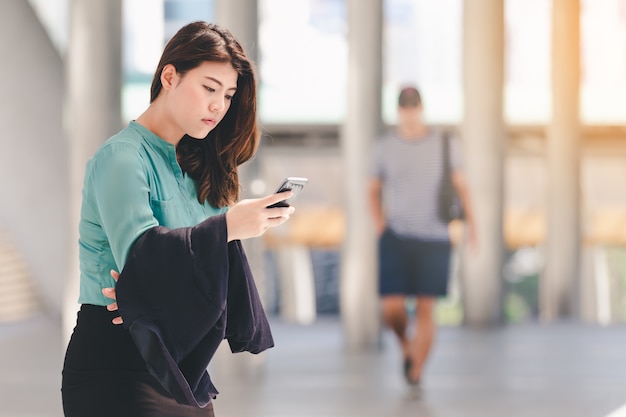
209, 122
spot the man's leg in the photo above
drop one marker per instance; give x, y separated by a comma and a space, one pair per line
395, 317
424, 335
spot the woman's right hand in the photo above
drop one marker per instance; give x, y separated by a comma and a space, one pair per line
110, 293
251, 218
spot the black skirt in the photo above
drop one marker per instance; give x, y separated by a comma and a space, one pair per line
104, 374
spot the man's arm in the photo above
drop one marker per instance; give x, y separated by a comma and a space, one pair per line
376, 204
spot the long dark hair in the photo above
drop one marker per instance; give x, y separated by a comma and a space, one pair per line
213, 162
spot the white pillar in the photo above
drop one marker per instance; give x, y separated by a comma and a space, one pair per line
358, 287
92, 112
297, 284
559, 282
484, 142
33, 152
240, 17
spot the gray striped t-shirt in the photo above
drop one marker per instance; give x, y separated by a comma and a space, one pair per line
411, 171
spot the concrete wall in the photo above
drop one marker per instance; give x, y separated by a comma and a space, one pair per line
33, 151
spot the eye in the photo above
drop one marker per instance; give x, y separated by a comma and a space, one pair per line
228, 97
209, 89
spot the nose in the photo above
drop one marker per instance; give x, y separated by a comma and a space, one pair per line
217, 105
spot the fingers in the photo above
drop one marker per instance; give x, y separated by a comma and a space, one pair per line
275, 198
281, 212
278, 218
109, 293
251, 218
117, 320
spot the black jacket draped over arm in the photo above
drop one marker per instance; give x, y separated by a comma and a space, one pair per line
181, 292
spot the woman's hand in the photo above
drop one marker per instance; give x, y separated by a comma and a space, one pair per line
251, 218
110, 293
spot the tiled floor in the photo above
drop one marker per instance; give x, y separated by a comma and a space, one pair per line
530, 370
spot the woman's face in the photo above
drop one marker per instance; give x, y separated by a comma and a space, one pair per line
198, 101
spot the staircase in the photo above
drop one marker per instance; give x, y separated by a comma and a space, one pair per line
18, 298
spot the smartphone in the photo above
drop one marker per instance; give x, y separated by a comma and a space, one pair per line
294, 184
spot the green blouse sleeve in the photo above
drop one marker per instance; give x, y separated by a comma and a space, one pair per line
121, 193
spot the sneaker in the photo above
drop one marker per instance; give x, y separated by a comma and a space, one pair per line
407, 373
414, 392
407, 368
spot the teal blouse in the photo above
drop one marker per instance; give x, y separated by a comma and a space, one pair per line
132, 183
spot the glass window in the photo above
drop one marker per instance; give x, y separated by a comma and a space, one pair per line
603, 60
178, 13
148, 25
422, 46
303, 61
528, 95
304, 51
303, 57
527, 89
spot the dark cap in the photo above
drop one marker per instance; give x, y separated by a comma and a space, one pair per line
409, 97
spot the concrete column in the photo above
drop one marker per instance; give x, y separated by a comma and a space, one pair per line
33, 152
240, 17
484, 142
93, 82
358, 287
294, 267
560, 279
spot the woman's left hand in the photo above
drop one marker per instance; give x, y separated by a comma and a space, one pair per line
110, 293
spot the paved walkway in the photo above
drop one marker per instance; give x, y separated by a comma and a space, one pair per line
528, 370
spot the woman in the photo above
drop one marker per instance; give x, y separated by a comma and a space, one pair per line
157, 197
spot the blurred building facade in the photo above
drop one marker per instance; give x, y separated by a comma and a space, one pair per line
539, 113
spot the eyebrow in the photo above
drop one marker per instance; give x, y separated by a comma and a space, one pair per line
219, 82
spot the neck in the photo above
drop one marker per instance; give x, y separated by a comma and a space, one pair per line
156, 121
412, 131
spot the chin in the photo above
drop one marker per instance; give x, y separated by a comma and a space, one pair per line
199, 135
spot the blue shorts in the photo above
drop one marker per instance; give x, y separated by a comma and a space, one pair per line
409, 266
